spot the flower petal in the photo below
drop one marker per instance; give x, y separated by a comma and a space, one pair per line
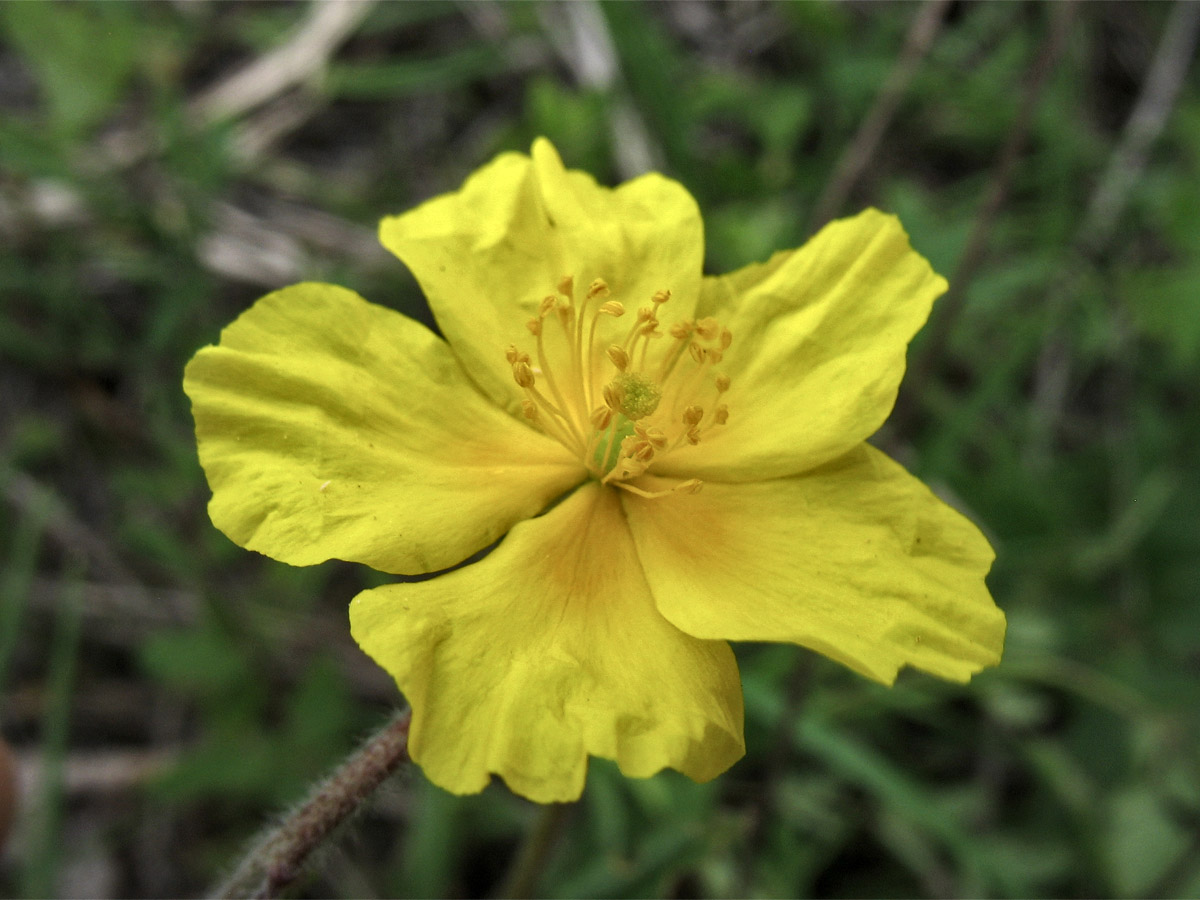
819, 339
857, 560
486, 255
330, 427
546, 651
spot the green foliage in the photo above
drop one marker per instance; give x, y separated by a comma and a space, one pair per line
82, 55
1059, 412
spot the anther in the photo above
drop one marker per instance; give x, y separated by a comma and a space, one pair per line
618, 357
601, 417
613, 308
721, 414
726, 338
534, 326
708, 328
566, 285
529, 410
523, 375
548, 303
692, 415
645, 314
512, 354
722, 383
612, 397
693, 435
691, 486
698, 353
597, 288
682, 330
641, 451
660, 297
654, 436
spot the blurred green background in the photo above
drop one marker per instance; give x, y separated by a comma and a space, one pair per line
166, 693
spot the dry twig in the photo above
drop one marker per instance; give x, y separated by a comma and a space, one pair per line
1106, 206
295, 61
580, 36
861, 150
949, 307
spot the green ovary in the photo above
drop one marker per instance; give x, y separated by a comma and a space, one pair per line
604, 459
639, 396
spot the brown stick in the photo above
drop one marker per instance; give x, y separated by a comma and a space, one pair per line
856, 157
8, 791
1125, 167
278, 859
948, 309
1143, 128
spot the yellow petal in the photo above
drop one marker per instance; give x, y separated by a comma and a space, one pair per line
330, 427
546, 651
487, 254
819, 339
857, 560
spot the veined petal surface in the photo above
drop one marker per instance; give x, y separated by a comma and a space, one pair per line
546, 651
857, 560
330, 427
487, 254
820, 335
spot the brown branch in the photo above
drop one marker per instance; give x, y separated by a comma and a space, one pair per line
1107, 204
950, 307
1145, 125
301, 57
858, 155
8, 791
32, 498
277, 859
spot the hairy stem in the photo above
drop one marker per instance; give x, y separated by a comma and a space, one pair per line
277, 859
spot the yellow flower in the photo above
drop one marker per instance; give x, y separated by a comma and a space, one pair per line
673, 461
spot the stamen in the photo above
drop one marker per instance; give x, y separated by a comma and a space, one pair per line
618, 357
650, 405
523, 375
691, 486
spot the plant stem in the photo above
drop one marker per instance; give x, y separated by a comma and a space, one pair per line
522, 877
278, 858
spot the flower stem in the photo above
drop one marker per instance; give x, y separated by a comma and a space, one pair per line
277, 859
522, 877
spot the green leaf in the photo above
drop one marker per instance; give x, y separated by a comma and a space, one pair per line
81, 54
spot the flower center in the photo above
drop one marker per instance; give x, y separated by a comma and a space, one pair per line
621, 402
